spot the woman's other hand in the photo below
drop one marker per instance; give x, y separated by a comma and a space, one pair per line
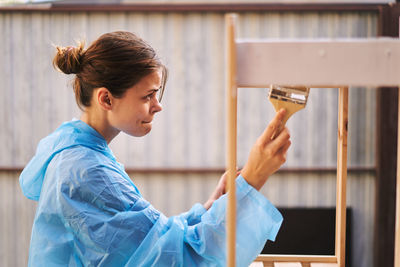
218, 192
267, 155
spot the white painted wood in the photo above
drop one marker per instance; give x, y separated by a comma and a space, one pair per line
317, 264
173, 98
287, 264
7, 153
257, 264
212, 89
21, 90
352, 62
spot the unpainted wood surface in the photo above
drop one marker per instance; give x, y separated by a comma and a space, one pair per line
341, 185
231, 156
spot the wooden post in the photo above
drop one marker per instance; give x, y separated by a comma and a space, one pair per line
386, 153
231, 90
397, 227
340, 245
397, 222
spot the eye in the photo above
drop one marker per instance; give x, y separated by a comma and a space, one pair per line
150, 96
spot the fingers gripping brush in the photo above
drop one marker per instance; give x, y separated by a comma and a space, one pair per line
291, 98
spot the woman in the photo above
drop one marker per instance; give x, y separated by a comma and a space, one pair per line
91, 214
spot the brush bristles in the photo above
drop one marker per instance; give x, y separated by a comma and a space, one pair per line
297, 95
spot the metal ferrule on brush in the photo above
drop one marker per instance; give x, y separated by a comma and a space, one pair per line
297, 95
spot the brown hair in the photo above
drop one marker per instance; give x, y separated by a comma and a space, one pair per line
116, 61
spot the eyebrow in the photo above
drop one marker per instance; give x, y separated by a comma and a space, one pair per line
154, 90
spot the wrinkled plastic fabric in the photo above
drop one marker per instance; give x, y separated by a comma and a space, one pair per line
91, 214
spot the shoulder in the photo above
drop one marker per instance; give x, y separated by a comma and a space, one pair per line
81, 159
86, 165
86, 174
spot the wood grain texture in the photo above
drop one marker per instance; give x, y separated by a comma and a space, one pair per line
231, 100
341, 184
397, 221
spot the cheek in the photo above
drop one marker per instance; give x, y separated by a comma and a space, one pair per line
141, 111
134, 116
130, 115
129, 111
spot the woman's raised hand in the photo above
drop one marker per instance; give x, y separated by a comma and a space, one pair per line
267, 155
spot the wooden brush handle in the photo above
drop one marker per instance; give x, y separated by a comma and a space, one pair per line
290, 107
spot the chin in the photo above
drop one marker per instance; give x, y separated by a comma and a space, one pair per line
140, 133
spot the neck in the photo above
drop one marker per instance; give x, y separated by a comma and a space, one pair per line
98, 121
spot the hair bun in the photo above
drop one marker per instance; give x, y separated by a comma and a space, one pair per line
68, 59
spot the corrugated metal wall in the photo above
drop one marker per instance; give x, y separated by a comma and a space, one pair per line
190, 131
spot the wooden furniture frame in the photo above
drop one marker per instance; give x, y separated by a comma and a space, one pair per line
318, 64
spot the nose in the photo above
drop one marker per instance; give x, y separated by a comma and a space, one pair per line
156, 107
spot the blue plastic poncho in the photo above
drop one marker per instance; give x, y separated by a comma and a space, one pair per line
91, 214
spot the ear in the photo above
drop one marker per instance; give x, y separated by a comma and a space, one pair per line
104, 98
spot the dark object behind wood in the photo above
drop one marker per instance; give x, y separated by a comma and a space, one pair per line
309, 231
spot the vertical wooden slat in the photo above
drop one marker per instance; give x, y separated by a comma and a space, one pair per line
257, 264
231, 89
397, 222
215, 24
386, 125
287, 264
318, 264
7, 154
21, 88
195, 92
341, 176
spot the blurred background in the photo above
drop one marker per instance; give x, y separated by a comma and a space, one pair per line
181, 160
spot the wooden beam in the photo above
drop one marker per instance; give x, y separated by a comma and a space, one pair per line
317, 264
319, 62
294, 258
194, 7
257, 264
385, 183
386, 152
287, 264
397, 223
340, 240
231, 94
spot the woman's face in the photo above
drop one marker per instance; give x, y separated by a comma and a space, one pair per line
134, 112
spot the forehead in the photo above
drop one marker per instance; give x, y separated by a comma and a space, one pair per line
149, 82
152, 80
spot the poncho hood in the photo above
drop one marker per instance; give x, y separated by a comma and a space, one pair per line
69, 134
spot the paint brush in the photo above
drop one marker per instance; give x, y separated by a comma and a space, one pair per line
291, 98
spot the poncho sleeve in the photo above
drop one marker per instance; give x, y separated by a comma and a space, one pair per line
112, 225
